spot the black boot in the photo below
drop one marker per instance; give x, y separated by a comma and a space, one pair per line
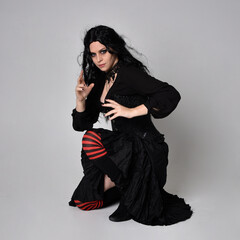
121, 214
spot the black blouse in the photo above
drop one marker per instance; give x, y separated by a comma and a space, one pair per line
160, 98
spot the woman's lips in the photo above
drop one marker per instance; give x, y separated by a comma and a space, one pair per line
102, 65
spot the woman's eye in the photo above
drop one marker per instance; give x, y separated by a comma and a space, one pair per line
92, 54
103, 51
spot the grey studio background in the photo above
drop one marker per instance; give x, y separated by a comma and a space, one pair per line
193, 45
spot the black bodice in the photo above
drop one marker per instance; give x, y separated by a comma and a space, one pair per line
141, 125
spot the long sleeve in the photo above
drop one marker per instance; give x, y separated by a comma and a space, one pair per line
82, 121
162, 98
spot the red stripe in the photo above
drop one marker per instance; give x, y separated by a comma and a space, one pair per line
83, 208
88, 136
92, 206
99, 204
92, 153
90, 142
89, 208
89, 205
96, 205
94, 134
89, 148
98, 156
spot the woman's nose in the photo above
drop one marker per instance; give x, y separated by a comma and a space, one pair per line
99, 58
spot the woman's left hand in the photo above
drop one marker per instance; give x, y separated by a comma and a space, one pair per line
118, 110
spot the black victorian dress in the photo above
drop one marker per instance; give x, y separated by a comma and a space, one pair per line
137, 148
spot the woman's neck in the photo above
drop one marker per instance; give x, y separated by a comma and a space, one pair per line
111, 73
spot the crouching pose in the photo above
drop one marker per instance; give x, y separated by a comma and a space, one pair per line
128, 163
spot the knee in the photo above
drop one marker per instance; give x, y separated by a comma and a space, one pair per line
108, 183
93, 132
92, 145
91, 138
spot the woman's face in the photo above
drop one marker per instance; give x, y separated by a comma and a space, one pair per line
101, 57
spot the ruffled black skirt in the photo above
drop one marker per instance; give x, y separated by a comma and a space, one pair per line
143, 161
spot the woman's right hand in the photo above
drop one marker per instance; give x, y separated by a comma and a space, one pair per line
82, 90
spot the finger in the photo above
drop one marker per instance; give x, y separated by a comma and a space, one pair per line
108, 105
80, 78
110, 112
81, 85
81, 74
80, 89
112, 101
113, 117
89, 88
91, 85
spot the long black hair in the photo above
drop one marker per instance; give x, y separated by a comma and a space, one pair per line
115, 44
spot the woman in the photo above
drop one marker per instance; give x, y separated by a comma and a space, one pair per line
128, 163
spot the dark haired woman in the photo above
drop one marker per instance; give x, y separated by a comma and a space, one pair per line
128, 163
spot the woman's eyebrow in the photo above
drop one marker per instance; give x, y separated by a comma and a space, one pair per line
99, 50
